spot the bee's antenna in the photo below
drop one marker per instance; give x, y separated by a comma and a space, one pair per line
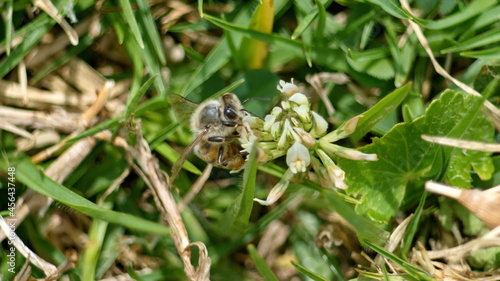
249, 99
251, 113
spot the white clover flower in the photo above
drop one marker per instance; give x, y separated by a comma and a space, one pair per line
275, 129
269, 121
276, 111
287, 89
303, 113
298, 158
299, 99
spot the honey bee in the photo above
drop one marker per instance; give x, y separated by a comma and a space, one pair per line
215, 124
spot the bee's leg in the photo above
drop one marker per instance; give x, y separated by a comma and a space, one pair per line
223, 139
230, 124
222, 162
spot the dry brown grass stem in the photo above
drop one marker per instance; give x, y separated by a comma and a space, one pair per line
147, 167
50, 9
49, 269
495, 112
464, 144
491, 239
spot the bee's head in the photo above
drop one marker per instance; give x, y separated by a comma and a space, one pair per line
231, 105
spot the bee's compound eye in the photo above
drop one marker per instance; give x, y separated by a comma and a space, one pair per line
229, 112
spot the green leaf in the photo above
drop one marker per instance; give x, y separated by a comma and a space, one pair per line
261, 265
28, 174
379, 111
462, 162
405, 160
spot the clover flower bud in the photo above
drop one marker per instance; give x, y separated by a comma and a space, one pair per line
277, 190
319, 125
335, 174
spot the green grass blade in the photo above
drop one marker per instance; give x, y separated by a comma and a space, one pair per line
261, 265
28, 174
486, 38
88, 262
373, 115
245, 201
8, 26
31, 38
151, 30
412, 229
308, 273
136, 96
129, 17
411, 270
491, 54
108, 124
471, 10
319, 33
171, 155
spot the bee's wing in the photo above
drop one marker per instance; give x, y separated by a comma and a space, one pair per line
183, 108
182, 158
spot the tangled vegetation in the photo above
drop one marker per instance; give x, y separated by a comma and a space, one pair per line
370, 128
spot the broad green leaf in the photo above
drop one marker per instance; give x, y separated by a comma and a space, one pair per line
379, 111
405, 160
485, 258
365, 229
463, 162
28, 174
264, 270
